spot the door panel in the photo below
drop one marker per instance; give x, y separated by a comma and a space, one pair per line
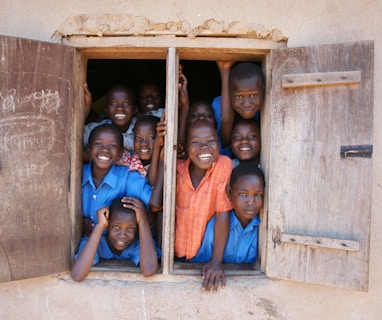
321, 99
36, 100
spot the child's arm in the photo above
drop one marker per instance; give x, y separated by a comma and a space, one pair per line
227, 113
155, 157
87, 101
148, 258
213, 271
184, 105
84, 261
156, 199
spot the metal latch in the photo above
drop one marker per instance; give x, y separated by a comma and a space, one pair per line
363, 151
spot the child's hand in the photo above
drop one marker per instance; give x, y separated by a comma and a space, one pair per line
161, 131
88, 227
180, 151
87, 99
212, 273
138, 207
103, 217
225, 65
182, 86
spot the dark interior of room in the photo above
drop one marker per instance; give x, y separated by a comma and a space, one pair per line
203, 77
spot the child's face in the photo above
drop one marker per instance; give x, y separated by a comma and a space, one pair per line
201, 112
121, 108
144, 137
247, 96
122, 230
247, 197
202, 144
105, 149
245, 141
149, 98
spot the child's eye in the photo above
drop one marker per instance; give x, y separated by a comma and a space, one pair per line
236, 138
259, 196
131, 230
242, 194
252, 136
238, 97
115, 227
211, 142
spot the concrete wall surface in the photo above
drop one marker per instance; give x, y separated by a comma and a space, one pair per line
122, 296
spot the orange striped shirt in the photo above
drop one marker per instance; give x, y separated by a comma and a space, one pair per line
194, 208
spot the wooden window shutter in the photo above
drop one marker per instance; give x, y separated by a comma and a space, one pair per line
36, 101
320, 108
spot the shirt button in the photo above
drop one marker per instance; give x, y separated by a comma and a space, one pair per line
94, 196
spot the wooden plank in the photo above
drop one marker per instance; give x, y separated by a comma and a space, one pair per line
170, 146
36, 101
320, 79
313, 191
320, 242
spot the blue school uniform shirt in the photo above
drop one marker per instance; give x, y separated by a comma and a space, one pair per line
241, 245
118, 182
218, 116
104, 252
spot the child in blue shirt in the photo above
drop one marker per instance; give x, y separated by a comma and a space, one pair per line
246, 191
242, 96
128, 237
245, 142
104, 181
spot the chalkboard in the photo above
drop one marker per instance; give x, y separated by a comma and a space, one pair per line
36, 101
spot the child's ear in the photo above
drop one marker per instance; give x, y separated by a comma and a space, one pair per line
229, 192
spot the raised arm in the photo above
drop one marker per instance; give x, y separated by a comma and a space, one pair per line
87, 101
148, 261
184, 106
213, 271
155, 157
227, 113
83, 263
156, 199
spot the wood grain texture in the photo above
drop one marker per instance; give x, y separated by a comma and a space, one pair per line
313, 191
35, 127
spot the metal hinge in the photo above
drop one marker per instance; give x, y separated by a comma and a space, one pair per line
363, 151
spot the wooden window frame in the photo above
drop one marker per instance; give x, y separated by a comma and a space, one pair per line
174, 49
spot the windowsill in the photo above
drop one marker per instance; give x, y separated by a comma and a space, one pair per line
180, 268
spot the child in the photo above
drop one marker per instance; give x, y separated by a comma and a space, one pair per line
246, 191
121, 110
150, 100
200, 110
104, 181
144, 142
245, 142
123, 221
242, 96
200, 194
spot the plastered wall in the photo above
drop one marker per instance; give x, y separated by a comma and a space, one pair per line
129, 296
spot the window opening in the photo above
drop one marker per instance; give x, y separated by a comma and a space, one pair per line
204, 83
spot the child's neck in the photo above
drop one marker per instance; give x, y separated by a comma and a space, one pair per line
98, 175
196, 175
125, 127
255, 161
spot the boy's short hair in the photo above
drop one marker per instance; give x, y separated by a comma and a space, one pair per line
117, 205
245, 70
147, 119
245, 169
120, 87
245, 121
201, 122
107, 126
